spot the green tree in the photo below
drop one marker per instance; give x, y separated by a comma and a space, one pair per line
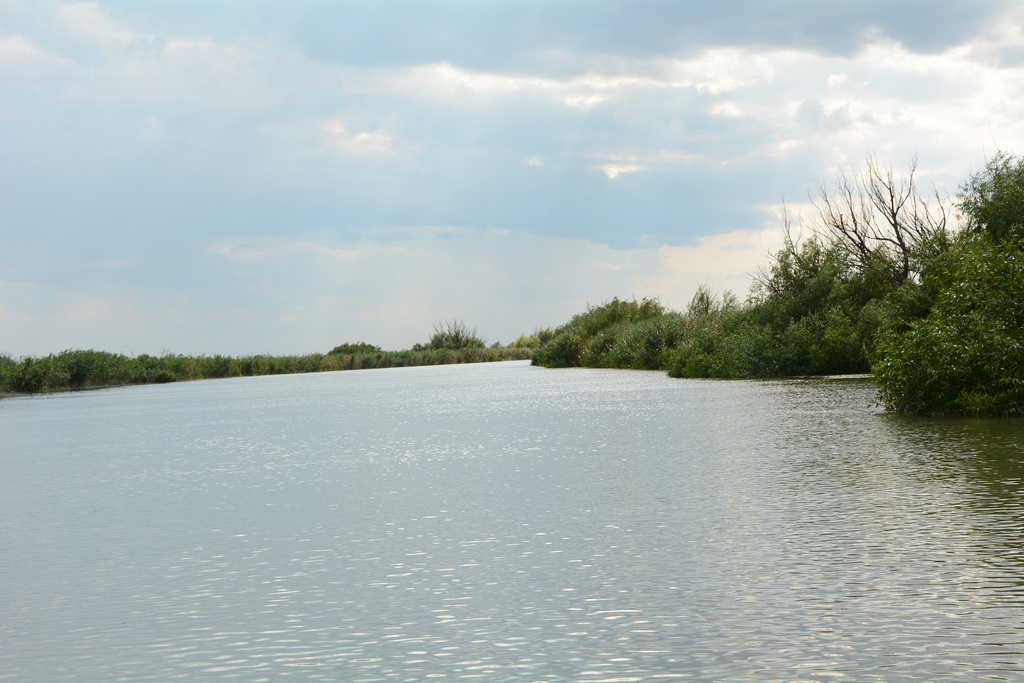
455, 334
358, 347
967, 355
589, 338
876, 216
992, 201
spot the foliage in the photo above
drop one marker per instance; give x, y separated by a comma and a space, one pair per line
358, 347
808, 315
78, 369
589, 338
875, 217
991, 202
818, 307
525, 342
454, 334
967, 356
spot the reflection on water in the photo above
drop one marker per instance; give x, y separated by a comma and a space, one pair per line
505, 523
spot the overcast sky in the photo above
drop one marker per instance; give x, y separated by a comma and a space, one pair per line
258, 176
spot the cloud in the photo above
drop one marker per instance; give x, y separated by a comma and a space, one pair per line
837, 81
613, 171
89, 24
123, 64
15, 47
265, 176
263, 249
196, 72
335, 136
508, 36
724, 262
21, 53
713, 71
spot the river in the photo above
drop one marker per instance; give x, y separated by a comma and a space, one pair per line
502, 522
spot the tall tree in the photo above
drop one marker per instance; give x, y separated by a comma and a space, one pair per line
877, 214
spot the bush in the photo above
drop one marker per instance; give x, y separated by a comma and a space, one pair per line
455, 334
967, 356
525, 342
991, 202
588, 339
42, 374
358, 347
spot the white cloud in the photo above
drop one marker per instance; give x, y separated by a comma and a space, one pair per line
196, 72
87, 23
724, 262
14, 47
713, 72
138, 66
614, 170
337, 137
720, 70
837, 81
20, 52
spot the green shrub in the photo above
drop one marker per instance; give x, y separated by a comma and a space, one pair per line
589, 337
967, 356
358, 347
39, 374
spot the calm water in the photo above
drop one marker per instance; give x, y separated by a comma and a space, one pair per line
505, 523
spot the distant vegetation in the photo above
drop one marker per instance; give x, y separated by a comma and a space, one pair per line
78, 369
453, 335
358, 347
880, 285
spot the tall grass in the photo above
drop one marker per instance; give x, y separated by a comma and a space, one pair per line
80, 369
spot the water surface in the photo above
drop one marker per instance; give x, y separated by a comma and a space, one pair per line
505, 523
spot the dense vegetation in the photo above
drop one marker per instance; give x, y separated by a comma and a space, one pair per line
880, 285
77, 369
966, 355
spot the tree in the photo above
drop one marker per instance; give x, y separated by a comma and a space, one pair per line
875, 215
358, 347
967, 355
455, 334
992, 201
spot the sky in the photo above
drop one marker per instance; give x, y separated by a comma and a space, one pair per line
256, 176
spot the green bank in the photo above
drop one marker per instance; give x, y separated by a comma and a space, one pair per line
881, 283
452, 342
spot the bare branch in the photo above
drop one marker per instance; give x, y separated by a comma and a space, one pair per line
875, 214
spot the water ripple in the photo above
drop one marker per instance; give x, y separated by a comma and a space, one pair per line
504, 523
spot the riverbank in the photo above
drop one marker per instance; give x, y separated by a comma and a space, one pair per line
88, 369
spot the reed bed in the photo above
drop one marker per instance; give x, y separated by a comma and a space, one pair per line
83, 369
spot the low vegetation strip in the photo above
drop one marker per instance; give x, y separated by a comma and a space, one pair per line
78, 369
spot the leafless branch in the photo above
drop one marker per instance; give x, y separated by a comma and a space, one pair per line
875, 213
